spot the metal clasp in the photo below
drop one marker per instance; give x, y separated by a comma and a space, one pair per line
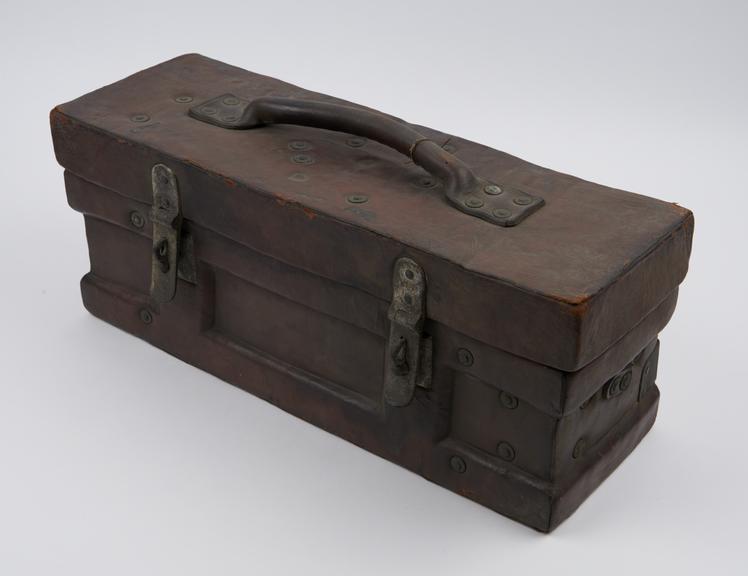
166, 215
409, 351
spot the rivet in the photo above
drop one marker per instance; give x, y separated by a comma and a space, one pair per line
625, 381
505, 451
355, 142
427, 182
502, 213
465, 357
457, 464
612, 389
357, 198
302, 159
298, 177
137, 219
228, 118
140, 118
473, 202
231, 101
208, 110
183, 99
579, 448
617, 385
492, 189
145, 316
299, 145
451, 148
508, 400
523, 201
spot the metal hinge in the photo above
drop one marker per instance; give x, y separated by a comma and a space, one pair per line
166, 215
409, 351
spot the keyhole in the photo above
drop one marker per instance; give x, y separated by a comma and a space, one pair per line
400, 357
162, 255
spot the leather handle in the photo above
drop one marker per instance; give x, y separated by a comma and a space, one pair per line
469, 193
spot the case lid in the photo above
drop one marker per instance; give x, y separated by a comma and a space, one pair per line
559, 285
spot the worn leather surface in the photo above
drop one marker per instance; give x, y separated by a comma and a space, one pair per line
559, 289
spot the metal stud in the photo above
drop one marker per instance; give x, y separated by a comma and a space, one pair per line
299, 145
137, 219
357, 198
457, 464
625, 381
302, 159
473, 202
298, 177
140, 118
146, 316
523, 201
508, 400
355, 142
611, 390
183, 99
617, 385
231, 101
506, 451
465, 357
492, 189
502, 213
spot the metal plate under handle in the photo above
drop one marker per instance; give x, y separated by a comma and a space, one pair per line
494, 202
166, 216
408, 355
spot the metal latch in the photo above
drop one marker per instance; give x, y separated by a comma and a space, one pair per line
166, 215
409, 351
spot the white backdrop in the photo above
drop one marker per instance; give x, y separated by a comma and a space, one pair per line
117, 459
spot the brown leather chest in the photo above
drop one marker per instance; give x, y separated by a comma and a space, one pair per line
482, 321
